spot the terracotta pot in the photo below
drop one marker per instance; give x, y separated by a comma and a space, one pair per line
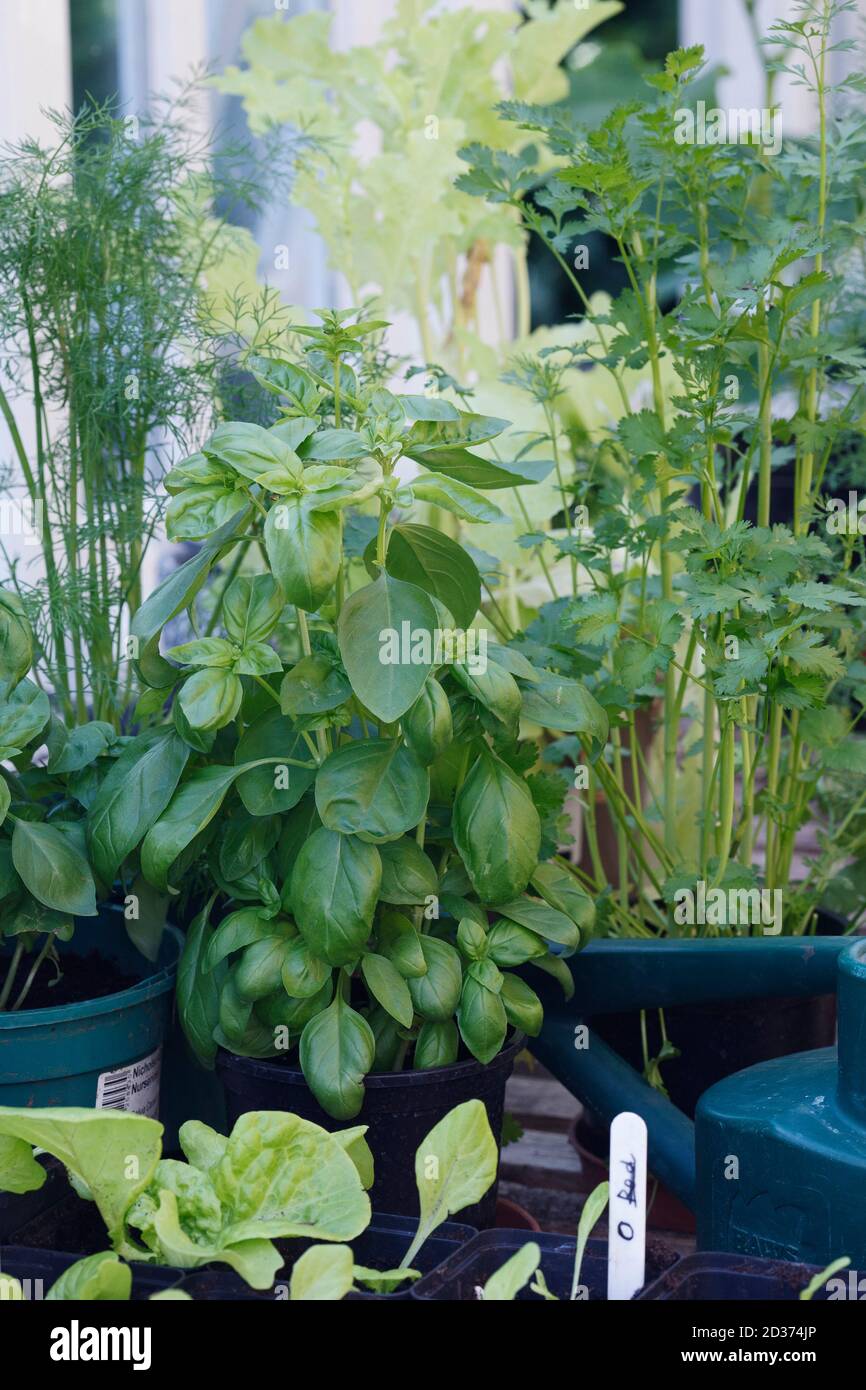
646, 723
511, 1216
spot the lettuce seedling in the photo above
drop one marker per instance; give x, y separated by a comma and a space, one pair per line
524, 1264
275, 1176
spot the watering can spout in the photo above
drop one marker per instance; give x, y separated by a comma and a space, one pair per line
852, 1033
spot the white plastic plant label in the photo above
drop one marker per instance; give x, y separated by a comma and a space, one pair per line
134, 1087
627, 1207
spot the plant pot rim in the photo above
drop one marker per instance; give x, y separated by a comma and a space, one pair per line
160, 981
376, 1081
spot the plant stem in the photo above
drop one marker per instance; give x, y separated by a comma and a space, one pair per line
10, 974
306, 647
34, 969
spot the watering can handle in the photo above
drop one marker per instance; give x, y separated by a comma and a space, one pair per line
616, 976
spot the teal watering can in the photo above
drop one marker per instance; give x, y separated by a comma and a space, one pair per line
781, 1146
616, 976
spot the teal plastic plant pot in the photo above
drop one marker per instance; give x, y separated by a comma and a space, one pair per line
105, 1051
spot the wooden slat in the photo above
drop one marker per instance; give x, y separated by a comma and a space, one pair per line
542, 1159
541, 1103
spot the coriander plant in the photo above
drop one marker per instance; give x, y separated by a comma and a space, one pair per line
742, 640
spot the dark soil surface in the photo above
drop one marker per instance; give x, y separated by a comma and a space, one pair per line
71, 1225
84, 977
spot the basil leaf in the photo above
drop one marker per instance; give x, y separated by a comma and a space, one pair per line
408, 876
23, 715
494, 688
474, 471
53, 869
177, 592
259, 971
210, 698
482, 1020
400, 941
337, 1050
522, 1005
278, 1011
458, 498
81, 747
556, 702
251, 608
436, 994
246, 841
437, 1045
134, 794
428, 727
189, 812
438, 565
199, 985
496, 829
16, 641
372, 628
268, 791
303, 974
239, 929
335, 888
387, 987
327, 445
374, 787
511, 944
197, 512
315, 686
285, 379
561, 890
542, 919
466, 429
304, 551
250, 450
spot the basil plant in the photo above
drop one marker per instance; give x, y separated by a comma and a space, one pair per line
46, 878
379, 851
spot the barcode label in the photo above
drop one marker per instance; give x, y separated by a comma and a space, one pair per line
134, 1087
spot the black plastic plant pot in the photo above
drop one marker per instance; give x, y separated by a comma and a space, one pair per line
400, 1108
37, 1270
742, 1278
16, 1210
382, 1246
459, 1279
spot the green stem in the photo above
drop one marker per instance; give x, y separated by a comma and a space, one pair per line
34, 970
10, 974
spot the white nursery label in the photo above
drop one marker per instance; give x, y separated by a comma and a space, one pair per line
627, 1209
134, 1087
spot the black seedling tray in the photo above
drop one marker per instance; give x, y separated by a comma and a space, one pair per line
458, 1279
737, 1278
39, 1269
382, 1246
